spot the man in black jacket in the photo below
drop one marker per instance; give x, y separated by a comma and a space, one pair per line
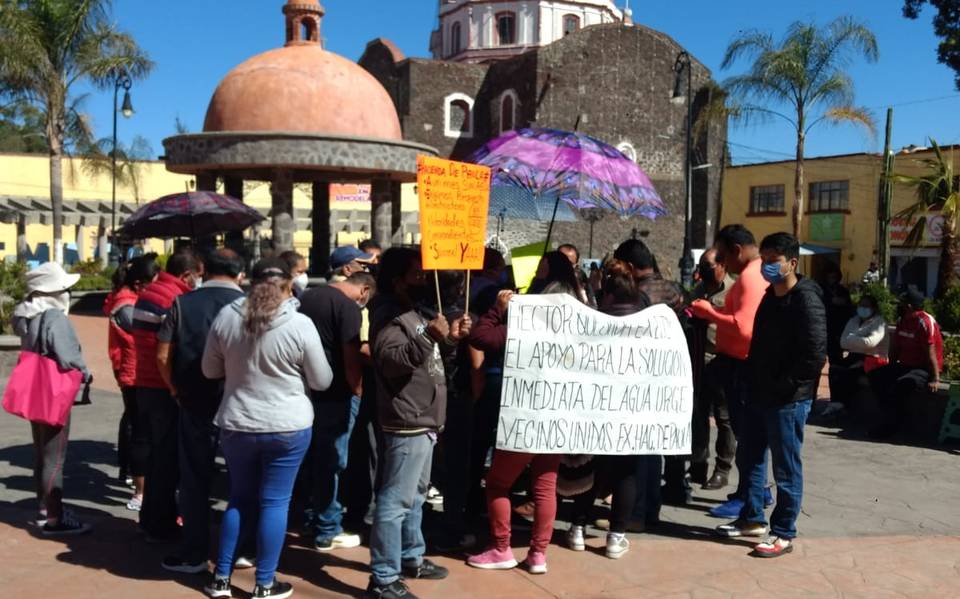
787, 355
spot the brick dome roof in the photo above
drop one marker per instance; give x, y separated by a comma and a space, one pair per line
303, 88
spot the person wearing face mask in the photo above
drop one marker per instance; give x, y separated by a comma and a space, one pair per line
41, 322
298, 268
864, 340
335, 311
158, 410
787, 355
181, 340
132, 445
709, 398
408, 349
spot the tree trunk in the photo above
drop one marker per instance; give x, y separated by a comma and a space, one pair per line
55, 139
947, 275
798, 191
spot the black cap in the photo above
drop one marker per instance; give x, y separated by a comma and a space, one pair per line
913, 297
271, 267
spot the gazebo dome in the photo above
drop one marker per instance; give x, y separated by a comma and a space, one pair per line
302, 88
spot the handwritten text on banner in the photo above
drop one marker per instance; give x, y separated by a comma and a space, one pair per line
454, 199
576, 381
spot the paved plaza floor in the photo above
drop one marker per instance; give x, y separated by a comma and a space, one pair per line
879, 520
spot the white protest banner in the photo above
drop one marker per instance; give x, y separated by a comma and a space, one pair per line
577, 381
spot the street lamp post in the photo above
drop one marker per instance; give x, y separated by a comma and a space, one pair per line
683, 65
122, 81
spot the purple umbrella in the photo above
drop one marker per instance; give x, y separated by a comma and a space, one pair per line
190, 214
576, 168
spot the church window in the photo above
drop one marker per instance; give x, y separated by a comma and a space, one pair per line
507, 28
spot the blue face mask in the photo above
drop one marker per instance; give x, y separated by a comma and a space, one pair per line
864, 313
771, 273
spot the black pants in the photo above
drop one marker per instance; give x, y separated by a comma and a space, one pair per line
197, 446
618, 474
485, 418
892, 386
845, 377
49, 456
159, 412
457, 438
711, 400
133, 446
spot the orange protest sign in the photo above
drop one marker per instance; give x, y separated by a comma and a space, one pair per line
454, 198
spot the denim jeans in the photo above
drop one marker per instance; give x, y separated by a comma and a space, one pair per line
779, 428
331, 443
198, 451
263, 468
405, 476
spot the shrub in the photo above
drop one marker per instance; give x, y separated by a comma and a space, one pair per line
12, 290
951, 357
947, 310
96, 282
886, 299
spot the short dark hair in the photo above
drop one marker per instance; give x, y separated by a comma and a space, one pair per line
363, 279
394, 265
732, 235
368, 244
141, 269
182, 261
292, 258
636, 253
784, 244
223, 263
570, 246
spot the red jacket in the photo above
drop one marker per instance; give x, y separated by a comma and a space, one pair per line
151, 309
120, 347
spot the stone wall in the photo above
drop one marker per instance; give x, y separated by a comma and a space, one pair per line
612, 82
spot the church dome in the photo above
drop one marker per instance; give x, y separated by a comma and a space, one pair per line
302, 88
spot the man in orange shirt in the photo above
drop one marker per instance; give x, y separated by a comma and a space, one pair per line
737, 250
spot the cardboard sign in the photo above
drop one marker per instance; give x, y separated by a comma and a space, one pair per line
577, 381
454, 198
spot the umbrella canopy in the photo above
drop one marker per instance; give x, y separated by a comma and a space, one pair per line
190, 214
581, 171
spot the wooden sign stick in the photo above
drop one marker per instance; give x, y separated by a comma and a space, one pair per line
436, 278
466, 311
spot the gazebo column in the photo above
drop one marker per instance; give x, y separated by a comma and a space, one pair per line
233, 187
396, 214
320, 229
281, 210
381, 212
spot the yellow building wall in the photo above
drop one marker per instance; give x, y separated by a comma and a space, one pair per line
29, 175
863, 171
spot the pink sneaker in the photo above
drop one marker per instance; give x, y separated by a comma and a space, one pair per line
493, 559
536, 562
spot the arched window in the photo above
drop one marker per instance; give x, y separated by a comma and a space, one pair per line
508, 111
456, 41
458, 115
506, 28
571, 24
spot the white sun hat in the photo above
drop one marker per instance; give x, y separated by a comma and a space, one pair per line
50, 277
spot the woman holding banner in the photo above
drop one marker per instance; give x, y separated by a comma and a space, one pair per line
555, 275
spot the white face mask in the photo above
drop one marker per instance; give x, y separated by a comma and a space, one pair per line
301, 281
197, 282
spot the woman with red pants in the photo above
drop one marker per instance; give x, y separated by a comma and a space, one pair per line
555, 275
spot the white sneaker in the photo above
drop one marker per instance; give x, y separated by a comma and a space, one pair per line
575, 539
617, 545
135, 503
244, 563
344, 540
434, 496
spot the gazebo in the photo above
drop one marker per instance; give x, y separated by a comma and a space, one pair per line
300, 114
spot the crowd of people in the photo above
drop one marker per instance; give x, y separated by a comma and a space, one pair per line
351, 404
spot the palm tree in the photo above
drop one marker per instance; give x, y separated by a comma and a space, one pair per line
805, 73
97, 161
936, 189
47, 47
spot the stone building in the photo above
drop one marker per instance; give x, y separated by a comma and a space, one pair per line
607, 77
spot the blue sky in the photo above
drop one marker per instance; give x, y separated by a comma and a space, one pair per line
195, 43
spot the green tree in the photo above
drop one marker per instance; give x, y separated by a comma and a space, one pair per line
130, 161
936, 190
802, 80
46, 48
946, 24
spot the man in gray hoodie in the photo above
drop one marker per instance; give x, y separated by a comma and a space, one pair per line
411, 405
